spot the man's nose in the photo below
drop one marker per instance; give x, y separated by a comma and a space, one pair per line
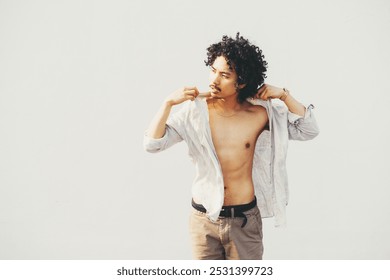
215, 78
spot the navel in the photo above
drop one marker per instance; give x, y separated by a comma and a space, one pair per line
247, 145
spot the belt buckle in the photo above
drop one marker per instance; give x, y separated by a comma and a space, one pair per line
224, 211
228, 214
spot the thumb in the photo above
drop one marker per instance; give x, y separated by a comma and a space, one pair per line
204, 94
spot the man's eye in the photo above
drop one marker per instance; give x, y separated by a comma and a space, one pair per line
225, 76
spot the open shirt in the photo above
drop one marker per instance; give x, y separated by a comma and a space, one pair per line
269, 174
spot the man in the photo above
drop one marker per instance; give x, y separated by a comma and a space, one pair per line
237, 138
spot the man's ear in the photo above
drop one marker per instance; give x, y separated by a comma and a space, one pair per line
241, 86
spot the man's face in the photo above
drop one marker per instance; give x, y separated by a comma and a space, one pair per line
223, 79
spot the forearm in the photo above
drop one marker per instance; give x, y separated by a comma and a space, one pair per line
294, 106
156, 128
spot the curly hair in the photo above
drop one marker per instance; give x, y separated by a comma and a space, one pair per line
245, 58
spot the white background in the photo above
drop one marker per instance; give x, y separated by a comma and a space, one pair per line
81, 80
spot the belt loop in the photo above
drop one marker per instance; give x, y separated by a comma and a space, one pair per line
232, 210
245, 221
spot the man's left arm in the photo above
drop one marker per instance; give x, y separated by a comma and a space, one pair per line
301, 122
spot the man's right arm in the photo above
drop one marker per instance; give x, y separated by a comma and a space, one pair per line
157, 127
159, 136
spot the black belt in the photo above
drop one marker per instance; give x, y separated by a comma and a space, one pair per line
230, 211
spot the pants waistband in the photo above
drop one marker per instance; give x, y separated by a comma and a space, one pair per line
230, 211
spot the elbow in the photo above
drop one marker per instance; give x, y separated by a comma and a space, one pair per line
152, 150
317, 131
148, 147
151, 145
304, 134
313, 133
307, 128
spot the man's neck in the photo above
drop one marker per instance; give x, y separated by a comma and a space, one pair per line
229, 104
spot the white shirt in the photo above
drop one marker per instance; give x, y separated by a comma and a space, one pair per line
269, 173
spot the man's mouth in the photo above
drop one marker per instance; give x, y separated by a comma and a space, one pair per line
214, 89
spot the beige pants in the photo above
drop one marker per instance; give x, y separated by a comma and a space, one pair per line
225, 239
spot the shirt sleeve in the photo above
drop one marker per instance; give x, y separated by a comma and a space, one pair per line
174, 133
302, 127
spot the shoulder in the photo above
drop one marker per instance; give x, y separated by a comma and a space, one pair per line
255, 109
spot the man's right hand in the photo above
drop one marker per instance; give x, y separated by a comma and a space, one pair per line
181, 95
157, 126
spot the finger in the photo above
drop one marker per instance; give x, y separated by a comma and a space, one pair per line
196, 91
190, 88
204, 94
264, 95
190, 95
262, 89
191, 91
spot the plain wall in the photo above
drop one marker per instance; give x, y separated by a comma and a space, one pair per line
81, 80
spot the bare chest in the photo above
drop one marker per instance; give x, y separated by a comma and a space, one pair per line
234, 136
